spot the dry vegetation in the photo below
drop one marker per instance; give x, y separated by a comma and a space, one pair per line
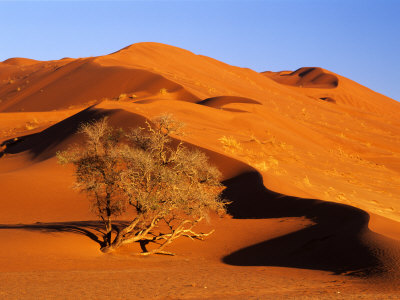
259, 154
162, 184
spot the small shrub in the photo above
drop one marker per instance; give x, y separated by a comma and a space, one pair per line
230, 144
306, 181
32, 124
121, 97
163, 91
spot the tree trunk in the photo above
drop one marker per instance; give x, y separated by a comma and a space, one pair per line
107, 236
107, 249
119, 239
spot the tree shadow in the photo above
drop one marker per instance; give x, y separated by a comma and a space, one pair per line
339, 241
91, 229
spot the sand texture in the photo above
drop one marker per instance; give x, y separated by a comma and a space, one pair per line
310, 160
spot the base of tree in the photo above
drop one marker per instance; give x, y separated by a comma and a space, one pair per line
107, 249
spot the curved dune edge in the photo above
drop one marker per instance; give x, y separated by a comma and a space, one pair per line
146, 70
339, 241
20, 61
66, 84
307, 77
316, 142
220, 101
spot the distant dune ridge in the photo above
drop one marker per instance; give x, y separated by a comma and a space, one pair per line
306, 146
306, 77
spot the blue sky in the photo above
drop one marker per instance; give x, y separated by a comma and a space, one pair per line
359, 39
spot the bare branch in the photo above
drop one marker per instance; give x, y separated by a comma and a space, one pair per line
142, 170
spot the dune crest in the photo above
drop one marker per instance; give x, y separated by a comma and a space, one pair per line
307, 77
307, 157
20, 61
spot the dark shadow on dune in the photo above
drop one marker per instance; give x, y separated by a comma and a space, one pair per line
44, 144
219, 102
337, 242
51, 137
328, 99
315, 77
340, 240
307, 77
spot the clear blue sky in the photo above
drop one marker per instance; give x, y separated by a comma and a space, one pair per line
359, 39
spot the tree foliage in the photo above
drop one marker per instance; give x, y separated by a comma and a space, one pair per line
166, 187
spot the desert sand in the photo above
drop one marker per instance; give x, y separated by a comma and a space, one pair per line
310, 159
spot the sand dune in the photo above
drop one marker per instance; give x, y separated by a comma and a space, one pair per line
45, 144
310, 77
339, 241
307, 157
220, 102
19, 61
340, 228
83, 82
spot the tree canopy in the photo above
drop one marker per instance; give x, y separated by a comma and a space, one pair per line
165, 187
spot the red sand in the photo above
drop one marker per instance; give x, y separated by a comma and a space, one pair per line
281, 140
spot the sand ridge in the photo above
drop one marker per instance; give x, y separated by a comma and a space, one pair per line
309, 77
306, 161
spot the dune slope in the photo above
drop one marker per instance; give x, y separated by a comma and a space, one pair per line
307, 156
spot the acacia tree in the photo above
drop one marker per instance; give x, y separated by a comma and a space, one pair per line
168, 187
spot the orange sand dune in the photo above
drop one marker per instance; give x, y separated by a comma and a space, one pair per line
220, 102
43, 145
306, 77
81, 82
20, 61
310, 159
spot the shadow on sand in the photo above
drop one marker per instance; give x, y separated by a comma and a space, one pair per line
53, 136
92, 229
340, 240
46, 143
